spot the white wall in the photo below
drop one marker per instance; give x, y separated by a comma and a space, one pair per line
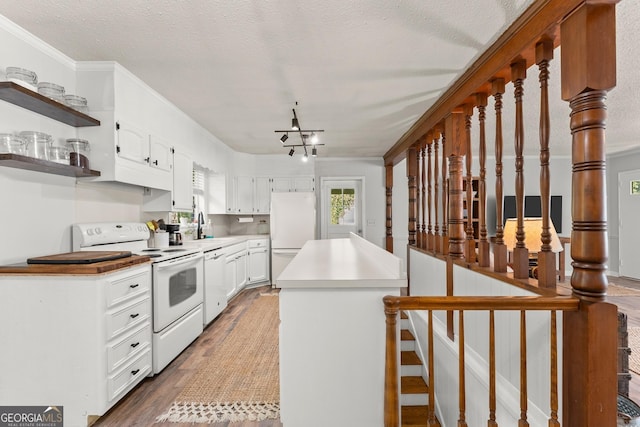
372, 169
400, 211
617, 163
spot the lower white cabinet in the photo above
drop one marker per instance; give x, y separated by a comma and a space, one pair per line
235, 271
81, 341
258, 263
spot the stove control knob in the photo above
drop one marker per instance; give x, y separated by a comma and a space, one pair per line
89, 232
98, 230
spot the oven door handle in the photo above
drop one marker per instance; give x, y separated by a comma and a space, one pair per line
180, 261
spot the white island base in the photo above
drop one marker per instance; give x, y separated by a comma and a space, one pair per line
332, 333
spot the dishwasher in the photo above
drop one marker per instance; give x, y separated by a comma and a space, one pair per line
215, 295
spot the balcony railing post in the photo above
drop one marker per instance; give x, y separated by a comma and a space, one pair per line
389, 194
391, 393
412, 177
588, 66
499, 248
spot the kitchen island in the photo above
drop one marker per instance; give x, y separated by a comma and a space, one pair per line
332, 332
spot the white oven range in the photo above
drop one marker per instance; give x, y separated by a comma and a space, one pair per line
177, 283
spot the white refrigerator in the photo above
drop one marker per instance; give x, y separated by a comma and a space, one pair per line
293, 222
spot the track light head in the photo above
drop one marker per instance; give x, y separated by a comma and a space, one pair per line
294, 124
314, 152
291, 152
284, 137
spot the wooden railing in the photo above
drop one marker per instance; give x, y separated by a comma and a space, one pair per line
442, 136
395, 304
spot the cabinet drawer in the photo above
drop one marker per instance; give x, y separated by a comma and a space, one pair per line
258, 243
129, 287
130, 375
127, 317
122, 351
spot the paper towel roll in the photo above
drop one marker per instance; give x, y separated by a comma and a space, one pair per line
245, 219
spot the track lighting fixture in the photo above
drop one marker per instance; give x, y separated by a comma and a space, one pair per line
307, 137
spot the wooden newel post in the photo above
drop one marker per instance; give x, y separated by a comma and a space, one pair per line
454, 150
391, 398
590, 334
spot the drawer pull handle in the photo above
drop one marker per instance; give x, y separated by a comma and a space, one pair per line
134, 372
134, 286
135, 344
133, 316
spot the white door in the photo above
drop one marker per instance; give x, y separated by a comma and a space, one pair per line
342, 207
629, 233
133, 143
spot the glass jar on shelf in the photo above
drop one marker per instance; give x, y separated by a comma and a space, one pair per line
37, 144
78, 152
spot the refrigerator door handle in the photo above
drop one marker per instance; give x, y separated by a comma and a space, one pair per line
285, 251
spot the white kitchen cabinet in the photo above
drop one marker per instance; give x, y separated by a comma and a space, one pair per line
235, 272
258, 261
95, 333
182, 181
262, 195
217, 193
126, 147
292, 183
249, 195
180, 197
215, 295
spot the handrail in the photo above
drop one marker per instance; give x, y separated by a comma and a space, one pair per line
393, 304
482, 303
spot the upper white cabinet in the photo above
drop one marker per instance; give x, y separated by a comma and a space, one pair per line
292, 183
180, 197
133, 144
248, 195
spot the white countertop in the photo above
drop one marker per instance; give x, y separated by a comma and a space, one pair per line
221, 242
342, 263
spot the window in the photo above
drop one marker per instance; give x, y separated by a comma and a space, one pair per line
199, 191
343, 206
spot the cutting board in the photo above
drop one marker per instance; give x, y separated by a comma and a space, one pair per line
86, 257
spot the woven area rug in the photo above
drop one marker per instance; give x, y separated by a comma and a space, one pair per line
634, 345
240, 380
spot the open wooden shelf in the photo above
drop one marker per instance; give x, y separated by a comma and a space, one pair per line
29, 163
33, 101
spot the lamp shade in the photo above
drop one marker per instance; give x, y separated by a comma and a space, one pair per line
532, 235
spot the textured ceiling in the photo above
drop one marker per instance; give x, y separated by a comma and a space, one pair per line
362, 70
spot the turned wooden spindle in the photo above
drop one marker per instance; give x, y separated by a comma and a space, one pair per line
429, 232
389, 200
483, 242
391, 394
499, 248
491, 422
436, 180
520, 257
522, 422
419, 195
413, 193
553, 384
423, 204
546, 259
470, 245
462, 405
444, 244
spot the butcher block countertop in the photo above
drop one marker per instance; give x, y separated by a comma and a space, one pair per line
73, 269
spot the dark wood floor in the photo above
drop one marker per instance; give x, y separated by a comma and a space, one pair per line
155, 395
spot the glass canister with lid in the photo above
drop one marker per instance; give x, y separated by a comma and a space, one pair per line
37, 143
78, 152
12, 144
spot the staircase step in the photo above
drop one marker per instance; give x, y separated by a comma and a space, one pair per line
403, 315
413, 384
413, 391
407, 341
409, 358
414, 416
